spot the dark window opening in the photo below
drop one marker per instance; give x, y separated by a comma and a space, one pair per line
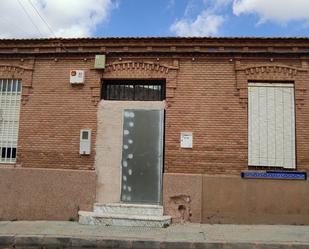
13, 86
84, 135
8, 152
136, 90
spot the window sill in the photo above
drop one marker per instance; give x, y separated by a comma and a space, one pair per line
270, 168
8, 165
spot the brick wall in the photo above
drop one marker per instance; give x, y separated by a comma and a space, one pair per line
211, 101
206, 95
53, 115
205, 103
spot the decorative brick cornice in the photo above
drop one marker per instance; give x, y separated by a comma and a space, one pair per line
12, 71
270, 72
270, 69
172, 45
22, 73
131, 65
143, 70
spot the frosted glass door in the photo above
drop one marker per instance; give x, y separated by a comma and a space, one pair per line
142, 156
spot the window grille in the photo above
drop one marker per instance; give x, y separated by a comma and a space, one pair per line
10, 98
136, 90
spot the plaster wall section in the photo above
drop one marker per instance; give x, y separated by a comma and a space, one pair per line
182, 197
45, 194
109, 145
231, 199
224, 199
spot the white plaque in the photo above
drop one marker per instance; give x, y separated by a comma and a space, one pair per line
186, 140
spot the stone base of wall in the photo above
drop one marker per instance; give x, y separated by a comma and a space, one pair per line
45, 194
231, 199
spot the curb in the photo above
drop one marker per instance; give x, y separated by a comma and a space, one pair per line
62, 242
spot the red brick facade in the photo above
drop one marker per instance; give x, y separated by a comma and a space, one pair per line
206, 93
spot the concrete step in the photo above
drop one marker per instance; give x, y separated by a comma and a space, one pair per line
92, 218
128, 209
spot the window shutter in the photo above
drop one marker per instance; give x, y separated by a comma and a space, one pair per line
271, 125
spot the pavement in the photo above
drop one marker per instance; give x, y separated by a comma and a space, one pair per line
66, 234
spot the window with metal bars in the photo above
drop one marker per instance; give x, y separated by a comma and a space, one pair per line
134, 90
10, 98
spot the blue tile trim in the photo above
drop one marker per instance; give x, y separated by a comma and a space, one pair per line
287, 175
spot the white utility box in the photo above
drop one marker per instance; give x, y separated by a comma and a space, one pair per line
186, 140
77, 76
85, 142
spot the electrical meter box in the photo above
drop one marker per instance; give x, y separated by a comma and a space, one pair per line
85, 142
99, 61
77, 76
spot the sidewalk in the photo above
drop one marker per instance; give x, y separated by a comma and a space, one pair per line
62, 234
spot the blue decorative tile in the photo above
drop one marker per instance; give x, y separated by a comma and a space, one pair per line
288, 175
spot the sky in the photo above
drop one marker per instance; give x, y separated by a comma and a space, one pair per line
122, 18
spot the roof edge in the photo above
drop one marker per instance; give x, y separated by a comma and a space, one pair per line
163, 38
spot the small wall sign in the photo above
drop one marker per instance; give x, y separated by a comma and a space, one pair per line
186, 140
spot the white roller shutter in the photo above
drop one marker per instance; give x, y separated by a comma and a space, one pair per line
271, 118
